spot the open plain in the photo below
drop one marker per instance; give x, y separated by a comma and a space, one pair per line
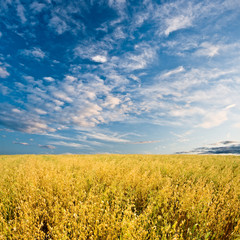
119, 197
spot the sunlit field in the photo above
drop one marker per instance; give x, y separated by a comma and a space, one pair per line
119, 197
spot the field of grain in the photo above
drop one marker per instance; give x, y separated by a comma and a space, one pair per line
119, 197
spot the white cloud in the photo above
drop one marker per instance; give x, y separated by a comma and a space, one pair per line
104, 137
23, 121
88, 116
89, 50
218, 94
116, 79
140, 58
47, 146
90, 94
4, 90
58, 136
69, 89
135, 78
57, 102
3, 72
40, 111
99, 58
119, 34
21, 143
145, 142
136, 62
35, 52
177, 23
214, 119
230, 106
62, 96
174, 71
117, 4
49, 79
188, 97
15, 110
87, 100
111, 101
29, 78
208, 49
37, 7
183, 137
183, 112
21, 12
70, 78
37, 127
58, 25
111, 2
79, 138
140, 17
69, 144
236, 125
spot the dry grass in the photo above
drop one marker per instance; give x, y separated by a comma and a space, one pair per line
119, 197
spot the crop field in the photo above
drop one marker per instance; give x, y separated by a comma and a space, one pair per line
119, 197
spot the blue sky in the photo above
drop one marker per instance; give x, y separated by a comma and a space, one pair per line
118, 76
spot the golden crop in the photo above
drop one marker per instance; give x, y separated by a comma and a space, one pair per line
119, 197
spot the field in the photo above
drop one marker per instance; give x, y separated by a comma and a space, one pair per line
119, 197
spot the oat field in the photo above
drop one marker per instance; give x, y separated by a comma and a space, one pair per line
119, 197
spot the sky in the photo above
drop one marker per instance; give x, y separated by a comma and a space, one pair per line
119, 76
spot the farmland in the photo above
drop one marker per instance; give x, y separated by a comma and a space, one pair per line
119, 197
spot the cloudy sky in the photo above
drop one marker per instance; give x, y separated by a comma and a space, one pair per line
119, 76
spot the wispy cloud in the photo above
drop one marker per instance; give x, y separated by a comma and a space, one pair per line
58, 24
4, 90
145, 142
236, 125
58, 136
18, 120
37, 7
187, 111
62, 96
214, 119
35, 53
111, 101
174, 71
207, 49
183, 137
107, 138
143, 55
3, 72
70, 144
119, 5
21, 143
47, 146
88, 50
176, 23
40, 111
21, 12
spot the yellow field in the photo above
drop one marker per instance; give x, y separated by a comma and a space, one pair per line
119, 197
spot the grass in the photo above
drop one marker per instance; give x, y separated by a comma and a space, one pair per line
119, 197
